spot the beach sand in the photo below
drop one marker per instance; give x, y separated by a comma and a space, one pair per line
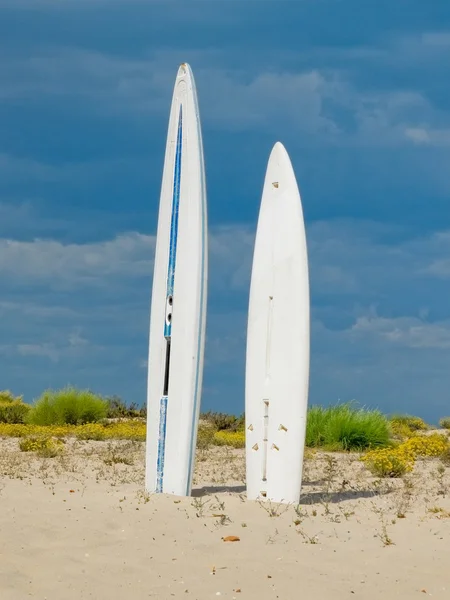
81, 526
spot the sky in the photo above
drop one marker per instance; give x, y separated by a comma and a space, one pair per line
359, 94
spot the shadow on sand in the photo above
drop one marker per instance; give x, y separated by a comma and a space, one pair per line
305, 499
217, 489
335, 497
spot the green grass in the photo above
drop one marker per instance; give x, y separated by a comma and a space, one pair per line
68, 406
344, 427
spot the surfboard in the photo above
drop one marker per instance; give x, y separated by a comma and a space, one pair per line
278, 331
178, 304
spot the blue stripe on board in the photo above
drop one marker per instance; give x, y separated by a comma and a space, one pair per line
161, 443
169, 292
174, 220
202, 292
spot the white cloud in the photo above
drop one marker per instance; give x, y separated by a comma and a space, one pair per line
41, 350
126, 256
54, 344
441, 39
430, 137
418, 135
13, 168
404, 331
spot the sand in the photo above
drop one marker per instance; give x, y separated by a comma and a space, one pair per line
80, 526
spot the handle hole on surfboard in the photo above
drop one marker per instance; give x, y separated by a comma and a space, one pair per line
169, 317
170, 300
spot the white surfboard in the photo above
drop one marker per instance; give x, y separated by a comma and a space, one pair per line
178, 306
277, 361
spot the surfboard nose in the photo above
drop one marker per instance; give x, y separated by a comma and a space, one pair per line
278, 152
184, 70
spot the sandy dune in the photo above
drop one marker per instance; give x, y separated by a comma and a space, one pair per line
80, 526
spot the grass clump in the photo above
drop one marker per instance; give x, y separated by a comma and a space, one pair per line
68, 406
315, 426
344, 427
444, 423
44, 446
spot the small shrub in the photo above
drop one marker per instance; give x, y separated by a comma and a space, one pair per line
14, 411
7, 396
445, 423
223, 421
445, 457
68, 407
401, 431
407, 425
44, 446
118, 455
235, 439
394, 462
426, 445
388, 462
118, 409
205, 437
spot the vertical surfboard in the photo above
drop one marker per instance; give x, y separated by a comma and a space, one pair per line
277, 359
178, 305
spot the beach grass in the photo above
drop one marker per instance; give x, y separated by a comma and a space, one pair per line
346, 427
67, 406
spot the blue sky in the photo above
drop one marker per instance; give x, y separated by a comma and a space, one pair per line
359, 94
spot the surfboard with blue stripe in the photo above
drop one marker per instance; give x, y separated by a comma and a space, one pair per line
169, 303
178, 308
